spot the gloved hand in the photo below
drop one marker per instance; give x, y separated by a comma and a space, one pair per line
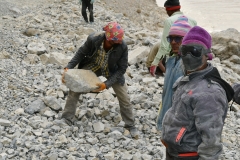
80, 1
65, 70
92, 1
101, 86
153, 70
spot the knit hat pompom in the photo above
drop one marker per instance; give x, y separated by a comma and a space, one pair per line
198, 36
180, 26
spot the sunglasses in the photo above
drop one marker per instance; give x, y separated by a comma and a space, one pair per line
177, 39
196, 51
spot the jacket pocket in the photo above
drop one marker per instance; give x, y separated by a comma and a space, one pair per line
180, 134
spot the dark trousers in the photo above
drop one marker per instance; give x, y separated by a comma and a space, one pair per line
86, 4
126, 108
169, 157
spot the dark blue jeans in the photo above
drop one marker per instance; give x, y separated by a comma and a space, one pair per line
86, 4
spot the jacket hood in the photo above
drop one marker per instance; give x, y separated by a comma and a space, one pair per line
215, 76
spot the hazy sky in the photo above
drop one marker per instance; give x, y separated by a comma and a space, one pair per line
213, 15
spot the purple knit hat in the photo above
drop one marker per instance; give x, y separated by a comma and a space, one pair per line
198, 35
180, 26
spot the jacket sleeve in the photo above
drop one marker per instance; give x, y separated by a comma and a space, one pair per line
84, 50
165, 47
122, 67
192, 22
210, 112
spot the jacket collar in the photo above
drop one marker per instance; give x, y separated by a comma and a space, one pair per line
100, 39
192, 75
175, 13
200, 73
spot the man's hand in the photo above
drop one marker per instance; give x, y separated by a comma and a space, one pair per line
153, 70
65, 70
101, 86
80, 1
92, 1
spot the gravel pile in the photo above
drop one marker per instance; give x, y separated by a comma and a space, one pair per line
32, 96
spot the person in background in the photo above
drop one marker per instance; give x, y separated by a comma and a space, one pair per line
173, 10
174, 67
192, 127
150, 58
106, 54
87, 4
236, 88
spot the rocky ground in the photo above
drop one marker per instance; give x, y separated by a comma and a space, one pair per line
38, 38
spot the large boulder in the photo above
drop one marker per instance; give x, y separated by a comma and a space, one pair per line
36, 48
55, 58
226, 43
137, 54
80, 80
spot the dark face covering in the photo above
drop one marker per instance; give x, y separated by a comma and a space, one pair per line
192, 63
192, 57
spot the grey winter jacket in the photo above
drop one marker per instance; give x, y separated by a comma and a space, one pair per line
117, 60
195, 121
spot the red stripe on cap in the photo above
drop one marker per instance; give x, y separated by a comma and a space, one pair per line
173, 8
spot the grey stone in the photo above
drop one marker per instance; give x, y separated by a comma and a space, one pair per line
137, 55
5, 141
92, 152
92, 140
36, 48
148, 80
35, 107
32, 59
4, 55
115, 134
37, 132
62, 139
80, 80
109, 156
98, 127
235, 59
15, 10
49, 113
140, 98
53, 156
4, 122
55, 58
3, 156
137, 156
25, 79
129, 41
10, 151
31, 32
219, 40
52, 102
126, 156
146, 156
238, 114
